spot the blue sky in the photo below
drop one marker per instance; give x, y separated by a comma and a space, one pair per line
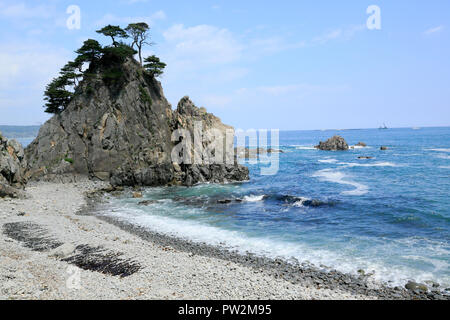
255, 64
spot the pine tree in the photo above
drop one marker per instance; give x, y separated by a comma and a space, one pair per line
154, 66
139, 33
113, 32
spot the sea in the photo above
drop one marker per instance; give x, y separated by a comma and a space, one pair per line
389, 214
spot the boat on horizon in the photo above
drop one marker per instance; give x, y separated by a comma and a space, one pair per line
384, 127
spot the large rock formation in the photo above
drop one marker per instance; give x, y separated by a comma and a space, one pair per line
12, 168
333, 144
121, 131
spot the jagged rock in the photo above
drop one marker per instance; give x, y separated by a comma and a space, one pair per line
361, 144
333, 144
122, 132
12, 168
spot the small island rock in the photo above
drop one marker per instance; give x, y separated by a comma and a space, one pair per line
333, 144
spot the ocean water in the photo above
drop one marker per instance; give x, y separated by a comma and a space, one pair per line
389, 214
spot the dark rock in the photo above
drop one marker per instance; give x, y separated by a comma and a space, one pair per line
224, 201
333, 144
384, 148
365, 157
416, 287
147, 202
113, 133
361, 144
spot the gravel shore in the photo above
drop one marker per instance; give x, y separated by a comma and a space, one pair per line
53, 246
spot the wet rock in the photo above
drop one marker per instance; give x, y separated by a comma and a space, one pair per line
224, 201
361, 144
365, 157
137, 195
336, 143
383, 148
147, 202
416, 287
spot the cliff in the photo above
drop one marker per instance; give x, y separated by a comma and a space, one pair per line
12, 168
119, 129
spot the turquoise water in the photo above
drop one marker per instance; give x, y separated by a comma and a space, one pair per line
390, 214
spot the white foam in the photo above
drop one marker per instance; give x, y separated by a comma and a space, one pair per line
339, 177
269, 247
443, 156
305, 148
376, 164
300, 202
444, 167
440, 149
253, 198
327, 160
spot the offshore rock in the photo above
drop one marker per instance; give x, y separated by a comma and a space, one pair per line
333, 144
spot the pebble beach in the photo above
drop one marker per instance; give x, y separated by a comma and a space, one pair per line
52, 248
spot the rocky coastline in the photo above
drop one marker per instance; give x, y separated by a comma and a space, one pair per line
291, 270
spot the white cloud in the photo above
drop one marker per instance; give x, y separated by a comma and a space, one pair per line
202, 44
433, 30
23, 11
340, 33
25, 70
113, 19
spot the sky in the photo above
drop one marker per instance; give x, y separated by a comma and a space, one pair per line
287, 64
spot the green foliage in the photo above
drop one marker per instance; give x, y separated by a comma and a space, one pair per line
113, 32
57, 97
154, 66
112, 76
69, 160
106, 61
145, 96
89, 52
117, 54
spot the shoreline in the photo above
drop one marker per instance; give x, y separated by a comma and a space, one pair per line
292, 271
44, 237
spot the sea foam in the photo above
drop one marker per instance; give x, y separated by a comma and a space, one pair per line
253, 198
340, 178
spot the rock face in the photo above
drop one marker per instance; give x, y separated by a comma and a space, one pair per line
12, 168
333, 144
121, 132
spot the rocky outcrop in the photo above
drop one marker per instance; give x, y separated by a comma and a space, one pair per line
12, 168
121, 131
333, 144
205, 166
